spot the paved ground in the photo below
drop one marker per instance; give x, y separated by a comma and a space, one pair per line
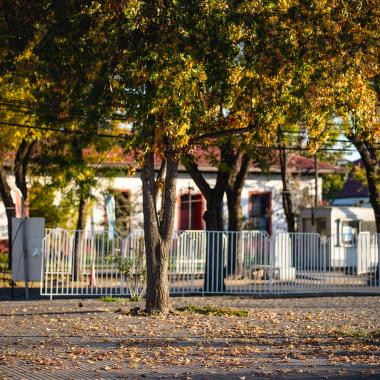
279, 338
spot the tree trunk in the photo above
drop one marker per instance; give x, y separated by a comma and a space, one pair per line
5, 192
287, 201
370, 159
235, 215
21, 164
158, 230
215, 272
82, 210
79, 232
214, 266
157, 290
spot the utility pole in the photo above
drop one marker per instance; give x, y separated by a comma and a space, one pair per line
189, 207
316, 179
25, 248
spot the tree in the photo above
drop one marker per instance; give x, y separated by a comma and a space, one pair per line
15, 144
343, 81
213, 217
232, 160
43, 203
138, 58
363, 130
323, 60
171, 80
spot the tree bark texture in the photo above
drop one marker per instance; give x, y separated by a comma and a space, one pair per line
234, 189
214, 266
5, 192
370, 159
158, 230
21, 164
79, 232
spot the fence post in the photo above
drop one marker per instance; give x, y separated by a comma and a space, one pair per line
324, 250
43, 248
271, 262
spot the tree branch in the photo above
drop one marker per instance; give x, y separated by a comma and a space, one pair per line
197, 177
169, 195
243, 172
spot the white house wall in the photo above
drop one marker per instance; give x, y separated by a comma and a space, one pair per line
273, 184
362, 214
255, 183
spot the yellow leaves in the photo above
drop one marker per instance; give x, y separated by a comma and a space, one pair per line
236, 75
85, 174
360, 175
16, 102
202, 76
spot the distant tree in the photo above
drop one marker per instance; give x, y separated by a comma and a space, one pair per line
43, 202
333, 183
363, 131
16, 144
345, 83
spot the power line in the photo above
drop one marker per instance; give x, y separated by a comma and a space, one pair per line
21, 103
126, 137
65, 131
17, 105
299, 133
28, 104
235, 131
195, 140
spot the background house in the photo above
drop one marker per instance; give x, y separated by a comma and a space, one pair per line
354, 192
117, 200
342, 220
261, 196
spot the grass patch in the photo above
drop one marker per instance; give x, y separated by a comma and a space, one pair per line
358, 334
113, 299
214, 310
350, 333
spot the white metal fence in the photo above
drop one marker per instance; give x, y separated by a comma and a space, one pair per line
78, 263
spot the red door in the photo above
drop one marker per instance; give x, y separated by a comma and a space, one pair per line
190, 216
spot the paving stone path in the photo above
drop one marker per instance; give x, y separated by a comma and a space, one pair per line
279, 338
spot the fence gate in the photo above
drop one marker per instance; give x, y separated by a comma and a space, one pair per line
80, 263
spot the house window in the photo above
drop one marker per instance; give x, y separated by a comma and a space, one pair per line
350, 231
260, 212
122, 211
190, 215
